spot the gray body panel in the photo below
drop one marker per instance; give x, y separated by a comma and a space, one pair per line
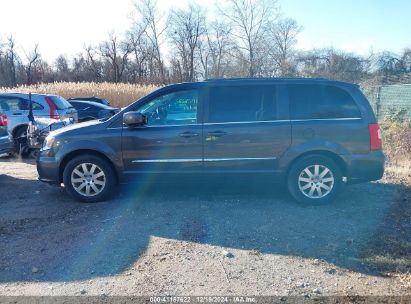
240, 147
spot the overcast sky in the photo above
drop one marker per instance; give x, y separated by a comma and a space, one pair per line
64, 26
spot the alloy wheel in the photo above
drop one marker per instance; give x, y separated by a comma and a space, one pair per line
88, 179
316, 181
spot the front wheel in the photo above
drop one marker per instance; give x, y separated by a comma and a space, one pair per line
89, 178
314, 179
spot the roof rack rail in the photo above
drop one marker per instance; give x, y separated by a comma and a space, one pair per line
267, 78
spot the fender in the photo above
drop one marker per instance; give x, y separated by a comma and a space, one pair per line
311, 146
93, 145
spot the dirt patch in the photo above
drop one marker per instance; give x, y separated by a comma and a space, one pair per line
389, 250
184, 240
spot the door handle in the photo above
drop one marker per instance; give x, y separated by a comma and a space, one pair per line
217, 133
188, 134
17, 114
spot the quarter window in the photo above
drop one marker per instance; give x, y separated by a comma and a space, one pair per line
321, 102
25, 105
178, 108
242, 103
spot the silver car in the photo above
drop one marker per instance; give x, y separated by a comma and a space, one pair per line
16, 108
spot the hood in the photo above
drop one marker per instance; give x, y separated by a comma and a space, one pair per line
77, 126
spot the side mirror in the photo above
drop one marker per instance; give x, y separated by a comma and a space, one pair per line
134, 119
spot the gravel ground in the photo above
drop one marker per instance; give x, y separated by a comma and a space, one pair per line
188, 240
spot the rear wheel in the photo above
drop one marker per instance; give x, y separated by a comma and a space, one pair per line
314, 179
89, 178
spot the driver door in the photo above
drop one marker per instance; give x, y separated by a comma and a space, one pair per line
171, 142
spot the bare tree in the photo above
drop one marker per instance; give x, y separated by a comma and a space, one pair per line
216, 50
92, 63
142, 51
62, 69
186, 29
12, 59
32, 58
406, 59
250, 20
151, 20
116, 53
283, 35
332, 64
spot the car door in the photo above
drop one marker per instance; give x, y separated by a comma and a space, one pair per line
246, 128
171, 142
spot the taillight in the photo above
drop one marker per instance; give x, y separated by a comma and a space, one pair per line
3, 120
375, 137
53, 109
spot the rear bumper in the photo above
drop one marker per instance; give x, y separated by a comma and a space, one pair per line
365, 167
48, 170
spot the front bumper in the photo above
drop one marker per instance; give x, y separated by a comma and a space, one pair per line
48, 169
365, 167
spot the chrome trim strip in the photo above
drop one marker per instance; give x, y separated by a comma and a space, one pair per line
185, 160
253, 122
243, 122
239, 158
326, 119
176, 160
159, 126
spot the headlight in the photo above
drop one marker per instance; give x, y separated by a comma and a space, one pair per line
48, 142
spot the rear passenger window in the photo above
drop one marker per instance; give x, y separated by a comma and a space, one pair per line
12, 104
245, 103
17, 104
321, 102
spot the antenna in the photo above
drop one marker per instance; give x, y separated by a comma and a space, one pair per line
30, 115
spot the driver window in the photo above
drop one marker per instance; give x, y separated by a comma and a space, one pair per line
178, 108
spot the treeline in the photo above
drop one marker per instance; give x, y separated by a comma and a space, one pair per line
247, 39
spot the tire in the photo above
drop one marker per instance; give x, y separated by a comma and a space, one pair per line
89, 179
319, 188
20, 141
21, 132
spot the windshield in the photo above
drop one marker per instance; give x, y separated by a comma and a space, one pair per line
60, 103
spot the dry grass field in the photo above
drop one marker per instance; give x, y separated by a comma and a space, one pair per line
119, 94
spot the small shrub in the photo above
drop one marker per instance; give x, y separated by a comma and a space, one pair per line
396, 139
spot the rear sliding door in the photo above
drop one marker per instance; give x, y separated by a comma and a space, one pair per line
246, 128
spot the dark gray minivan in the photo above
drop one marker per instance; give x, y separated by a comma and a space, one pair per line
314, 134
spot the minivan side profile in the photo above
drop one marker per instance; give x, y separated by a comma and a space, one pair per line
312, 133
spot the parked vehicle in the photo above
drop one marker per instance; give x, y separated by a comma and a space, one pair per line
312, 133
16, 107
6, 144
38, 130
89, 110
91, 98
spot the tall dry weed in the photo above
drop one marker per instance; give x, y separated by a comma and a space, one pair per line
119, 94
